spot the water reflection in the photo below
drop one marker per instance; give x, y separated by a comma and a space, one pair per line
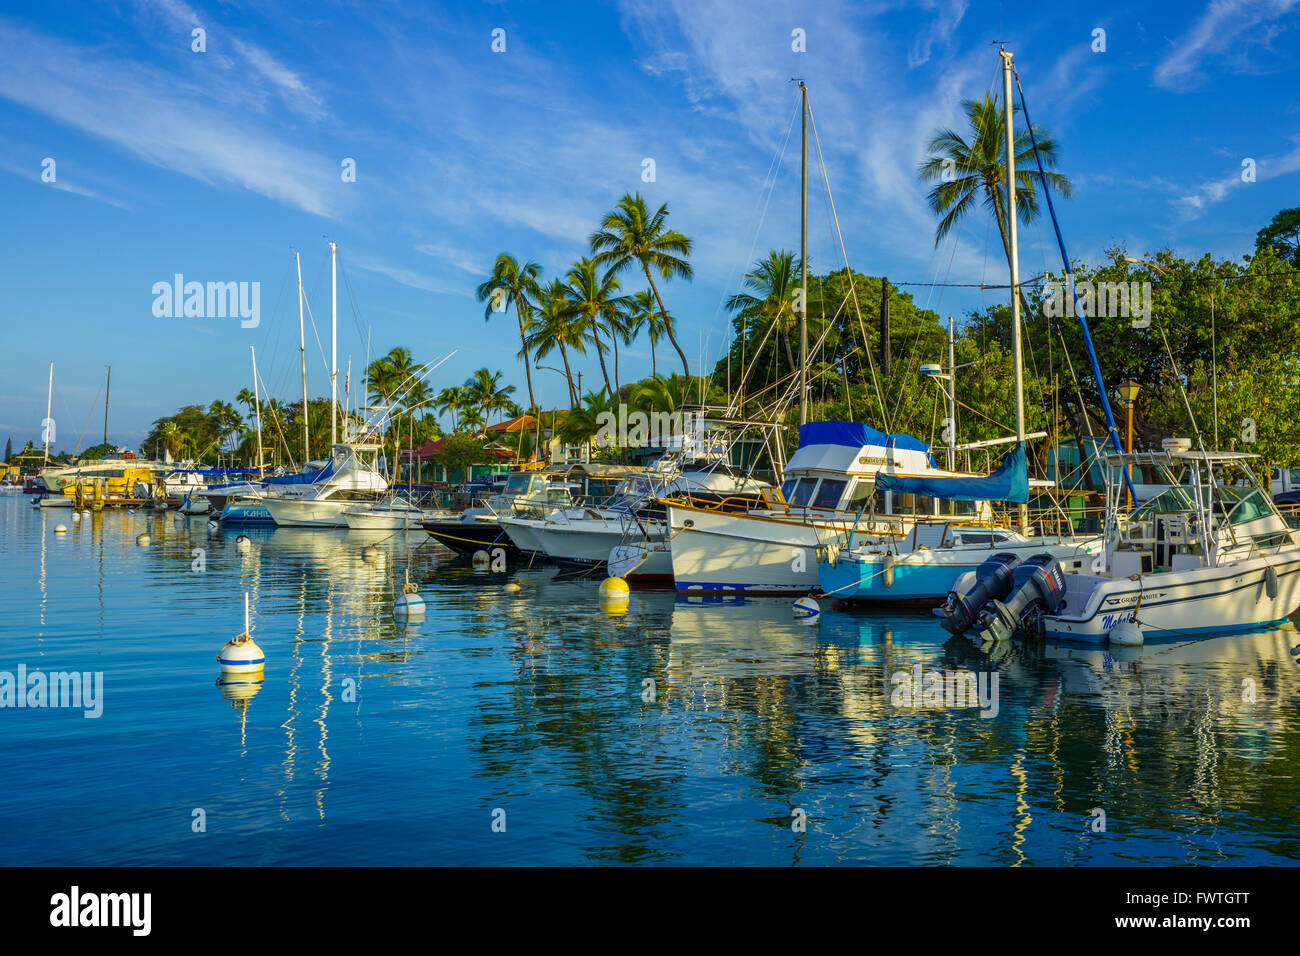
663, 730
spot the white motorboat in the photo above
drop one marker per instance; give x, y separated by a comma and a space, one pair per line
1212, 554
391, 514
585, 536
319, 499
829, 494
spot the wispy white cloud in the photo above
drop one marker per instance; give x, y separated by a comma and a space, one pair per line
1215, 190
948, 14
1226, 27
140, 110
413, 278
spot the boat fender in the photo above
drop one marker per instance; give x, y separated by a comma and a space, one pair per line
888, 573
1270, 583
1125, 634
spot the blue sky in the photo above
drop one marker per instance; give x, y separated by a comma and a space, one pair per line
214, 164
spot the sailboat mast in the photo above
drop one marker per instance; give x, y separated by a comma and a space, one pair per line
952, 398
334, 343
302, 352
803, 263
107, 385
257, 404
1023, 509
49, 407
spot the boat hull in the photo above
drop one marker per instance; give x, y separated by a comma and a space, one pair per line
641, 567
746, 553
465, 537
922, 579
307, 512
1183, 603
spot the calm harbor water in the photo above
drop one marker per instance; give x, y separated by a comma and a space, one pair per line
370, 743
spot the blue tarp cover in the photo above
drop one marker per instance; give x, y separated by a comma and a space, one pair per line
1009, 483
855, 435
307, 478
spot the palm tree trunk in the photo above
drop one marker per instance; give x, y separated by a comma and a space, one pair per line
600, 352
667, 328
614, 338
528, 377
568, 374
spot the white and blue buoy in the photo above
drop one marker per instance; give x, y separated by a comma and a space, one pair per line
242, 543
806, 607
130, 511
85, 512
76, 516
241, 655
213, 526
1125, 634
409, 603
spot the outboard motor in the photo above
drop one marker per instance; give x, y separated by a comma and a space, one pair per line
1039, 588
993, 580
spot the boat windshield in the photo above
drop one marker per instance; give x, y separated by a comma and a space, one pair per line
517, 484
797, 491
1241, 504
829, 492
1168, 501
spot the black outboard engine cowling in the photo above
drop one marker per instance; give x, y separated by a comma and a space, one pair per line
1039, 588
993, 580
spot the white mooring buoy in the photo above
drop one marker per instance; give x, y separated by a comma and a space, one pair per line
76, 516
806, 607
85, 512
213, 526
142, 540
60, 529
241, 655
513, 587
370, 553
480, 559
242, 543
409, 603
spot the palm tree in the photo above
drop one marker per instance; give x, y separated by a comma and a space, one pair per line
553, 327
973, 171
630, 234
451, 399
513, 284
774, 280
484, 390
641, 313
226, 420
596, 307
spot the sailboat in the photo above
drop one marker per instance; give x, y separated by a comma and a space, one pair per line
886, 571
1209, 553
